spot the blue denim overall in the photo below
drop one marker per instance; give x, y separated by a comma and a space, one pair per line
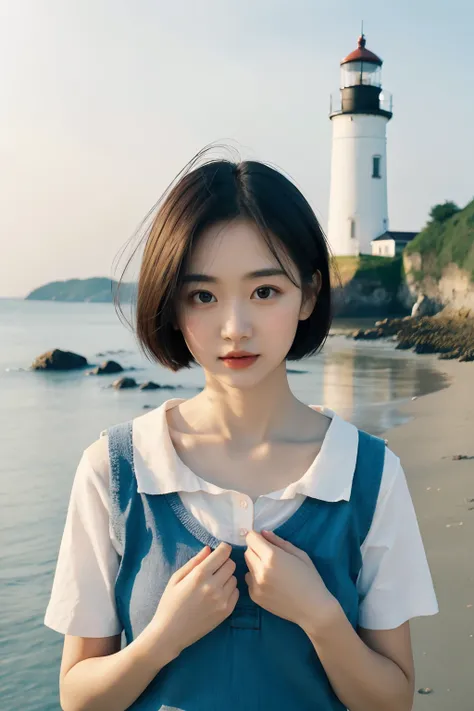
253, 660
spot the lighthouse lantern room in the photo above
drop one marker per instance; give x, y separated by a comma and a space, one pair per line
359, 112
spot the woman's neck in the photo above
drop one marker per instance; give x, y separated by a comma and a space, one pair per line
247, 418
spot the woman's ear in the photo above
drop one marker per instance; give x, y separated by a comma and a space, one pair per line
311, 293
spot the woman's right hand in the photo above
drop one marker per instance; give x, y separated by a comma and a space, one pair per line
198, 596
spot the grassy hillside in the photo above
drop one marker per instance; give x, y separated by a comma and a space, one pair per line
369, 269
445, 242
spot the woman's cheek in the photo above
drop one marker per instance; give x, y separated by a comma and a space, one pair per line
195, 332
281, 322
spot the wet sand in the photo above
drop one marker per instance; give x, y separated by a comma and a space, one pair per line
443, 426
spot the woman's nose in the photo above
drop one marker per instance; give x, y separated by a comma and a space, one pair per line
236, 323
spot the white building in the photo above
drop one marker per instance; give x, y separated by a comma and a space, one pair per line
391, 244
360, 111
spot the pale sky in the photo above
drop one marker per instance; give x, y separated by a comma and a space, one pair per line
103, 102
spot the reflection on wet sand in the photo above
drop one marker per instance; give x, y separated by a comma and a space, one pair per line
367, 383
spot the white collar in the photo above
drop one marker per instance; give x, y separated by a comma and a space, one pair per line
159, 470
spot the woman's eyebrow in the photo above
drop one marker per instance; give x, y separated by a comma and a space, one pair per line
272, 271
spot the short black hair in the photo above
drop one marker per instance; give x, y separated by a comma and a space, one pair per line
219, 191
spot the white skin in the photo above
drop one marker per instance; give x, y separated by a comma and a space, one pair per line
243, 409
252, 405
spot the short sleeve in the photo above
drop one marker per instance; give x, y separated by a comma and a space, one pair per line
395, 582
82, 601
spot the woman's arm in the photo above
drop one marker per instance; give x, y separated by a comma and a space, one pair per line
95, 673
95, 677
367, 678
373, 667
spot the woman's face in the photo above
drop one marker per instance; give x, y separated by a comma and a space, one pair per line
231, 310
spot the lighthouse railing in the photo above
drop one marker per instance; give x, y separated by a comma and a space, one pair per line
335, 102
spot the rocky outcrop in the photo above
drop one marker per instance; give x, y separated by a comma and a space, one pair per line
59, 360
150, 385
362, 298
368, 286
425, 306
448, 336
123, 383
453, 290
107, 367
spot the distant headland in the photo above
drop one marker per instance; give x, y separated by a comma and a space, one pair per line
95, 289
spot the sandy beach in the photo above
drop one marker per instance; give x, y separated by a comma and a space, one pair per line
443, 495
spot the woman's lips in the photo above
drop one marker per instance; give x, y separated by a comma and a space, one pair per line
240, 362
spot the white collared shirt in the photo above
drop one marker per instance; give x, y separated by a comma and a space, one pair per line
394, 583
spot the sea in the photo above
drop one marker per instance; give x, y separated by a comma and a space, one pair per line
47, 419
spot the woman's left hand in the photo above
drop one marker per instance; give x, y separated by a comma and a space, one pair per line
283, 579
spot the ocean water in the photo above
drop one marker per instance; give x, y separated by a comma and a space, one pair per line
47, 419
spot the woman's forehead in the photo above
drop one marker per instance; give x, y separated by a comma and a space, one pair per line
236, 246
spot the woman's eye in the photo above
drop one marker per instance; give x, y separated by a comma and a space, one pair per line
262, 296
265, 290
195, 293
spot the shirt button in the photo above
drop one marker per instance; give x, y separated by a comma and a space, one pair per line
243, 504
243, 531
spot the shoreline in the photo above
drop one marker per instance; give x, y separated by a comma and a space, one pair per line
441, 427
449, 334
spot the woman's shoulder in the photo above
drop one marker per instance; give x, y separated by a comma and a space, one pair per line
392, 468
392, 471
95, 458
96, 455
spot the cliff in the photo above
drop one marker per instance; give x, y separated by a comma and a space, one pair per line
369, 286
439, 263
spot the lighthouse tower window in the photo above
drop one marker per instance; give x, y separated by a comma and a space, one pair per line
352, 227
376, 160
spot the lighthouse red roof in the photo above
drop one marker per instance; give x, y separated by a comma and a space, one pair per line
361, 54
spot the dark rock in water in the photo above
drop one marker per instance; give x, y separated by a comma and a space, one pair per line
450, 355
122, 383
150, 385
426, 690
386, 328
452, 337
391, 326
292, 370
403, 345
370, 334
59, 360
108, 366
148, 407
426, 348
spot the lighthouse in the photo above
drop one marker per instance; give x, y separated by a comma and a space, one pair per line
359, 112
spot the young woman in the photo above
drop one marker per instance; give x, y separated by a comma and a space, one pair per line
256, 552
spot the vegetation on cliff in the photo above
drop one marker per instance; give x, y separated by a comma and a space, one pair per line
370, 269
367, 285
447, 238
